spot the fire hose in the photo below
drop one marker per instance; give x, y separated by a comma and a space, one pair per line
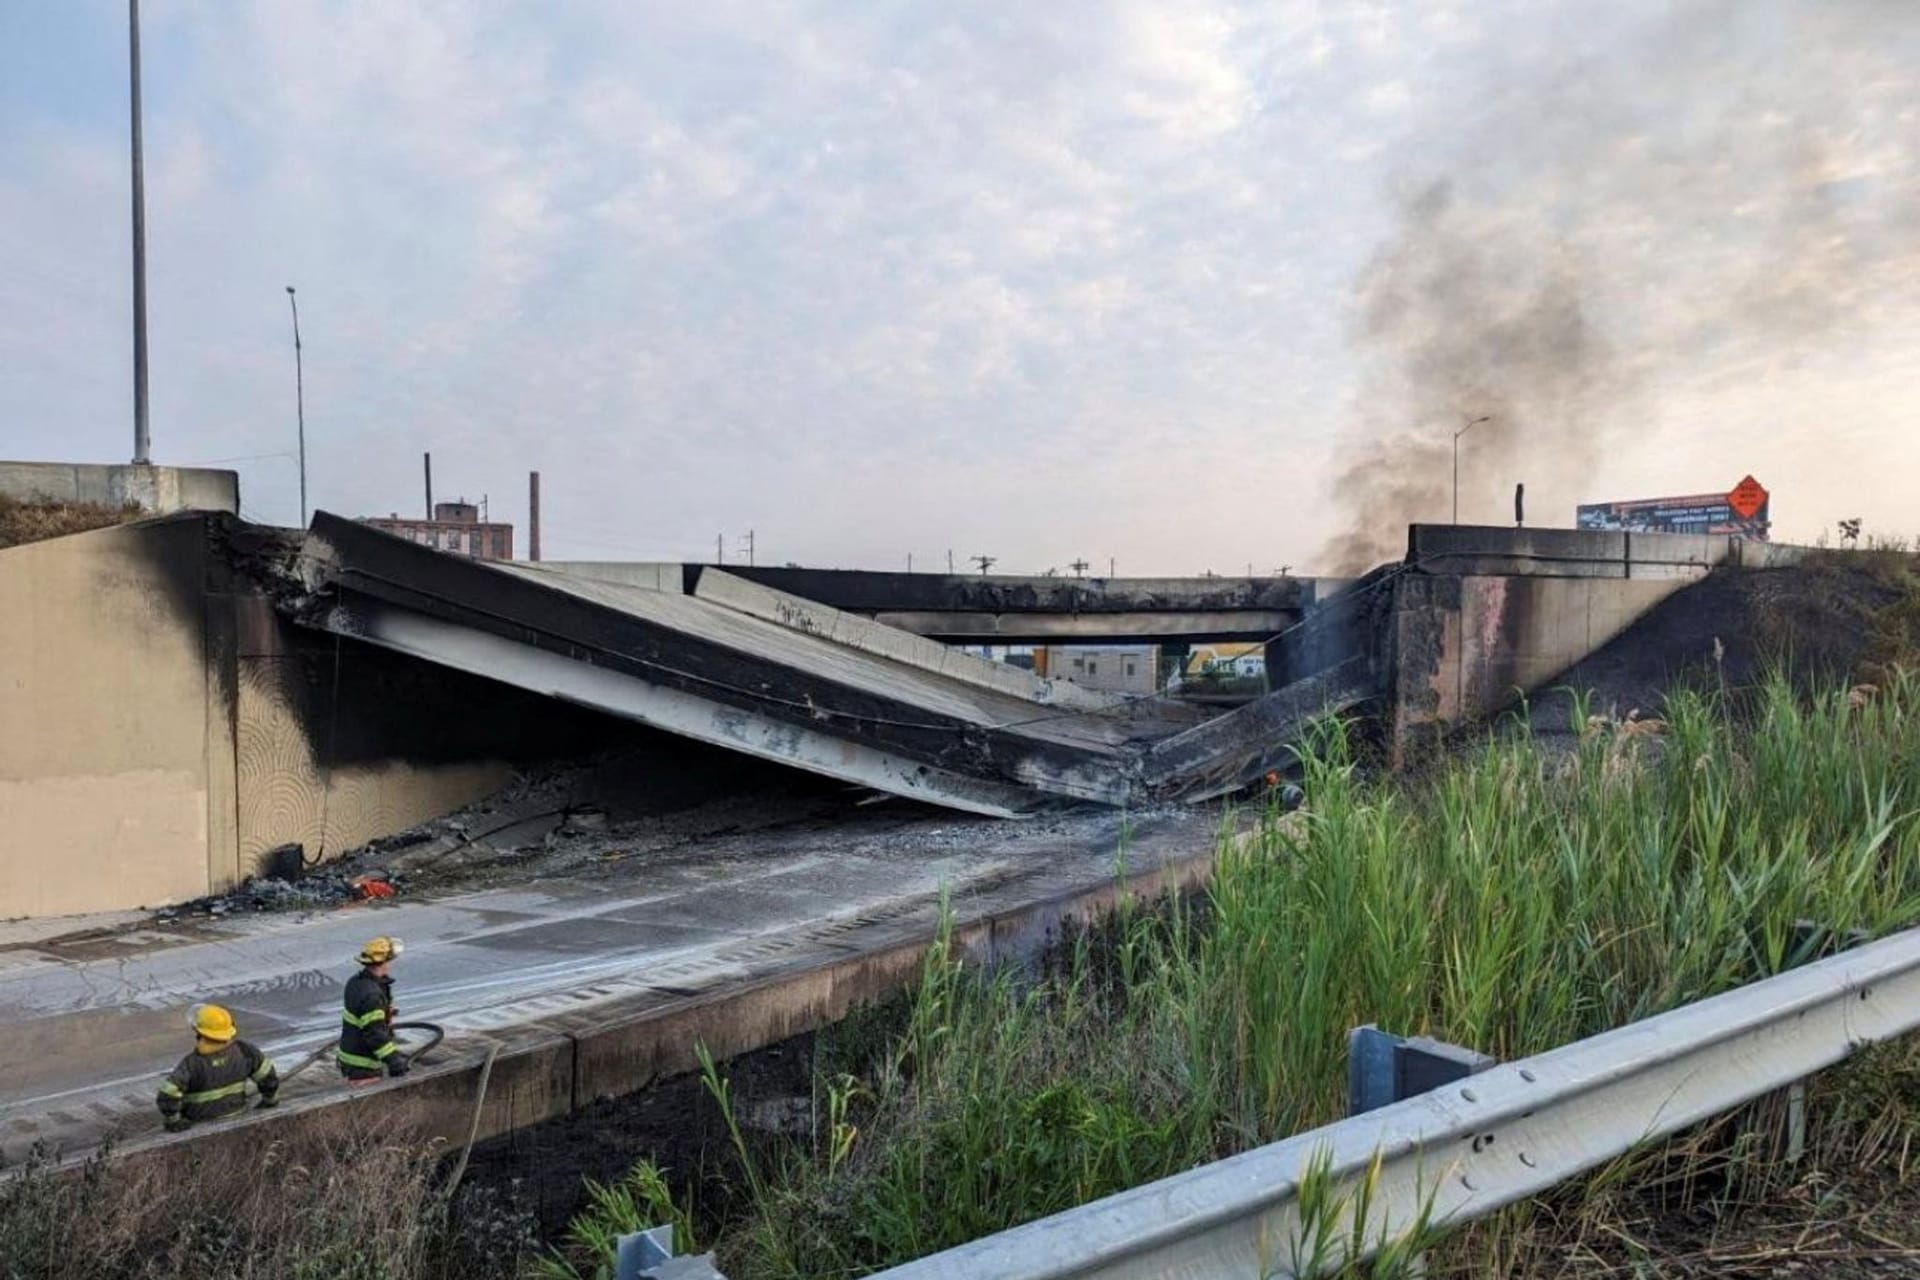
435, 1034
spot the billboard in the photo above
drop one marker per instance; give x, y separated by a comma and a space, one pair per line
1743, 510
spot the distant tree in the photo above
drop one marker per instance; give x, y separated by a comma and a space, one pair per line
1850, 531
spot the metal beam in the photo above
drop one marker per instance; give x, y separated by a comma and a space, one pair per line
1471, 1148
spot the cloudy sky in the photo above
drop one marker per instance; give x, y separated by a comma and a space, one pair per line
1192, 284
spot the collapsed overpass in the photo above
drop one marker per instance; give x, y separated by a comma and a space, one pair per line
195, 692
732, 662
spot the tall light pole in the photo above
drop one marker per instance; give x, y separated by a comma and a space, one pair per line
300, 404
142, 443
1456, 462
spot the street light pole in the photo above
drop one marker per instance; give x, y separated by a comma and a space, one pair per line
142, 442
1456, 463
300, 403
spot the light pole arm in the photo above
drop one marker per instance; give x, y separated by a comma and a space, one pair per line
1471, 424
299, 402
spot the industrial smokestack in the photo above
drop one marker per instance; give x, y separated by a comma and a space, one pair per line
533, 515
427, 460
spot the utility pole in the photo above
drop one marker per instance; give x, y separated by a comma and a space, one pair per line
1110, 566
142, 438
1456, 462
300, 404
949, 561
1079, 568
909, 562
719, 548
985, 563
747, 542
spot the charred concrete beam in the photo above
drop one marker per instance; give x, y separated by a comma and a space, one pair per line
1093, 628
864, 591
1233, 751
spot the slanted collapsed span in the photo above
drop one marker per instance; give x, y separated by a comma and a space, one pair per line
711, 656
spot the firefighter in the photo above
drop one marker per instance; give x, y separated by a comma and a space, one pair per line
211, 1082
367, 1047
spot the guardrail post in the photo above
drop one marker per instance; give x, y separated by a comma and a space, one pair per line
1811, 941
639, 1253
648, 1255
1383, 1068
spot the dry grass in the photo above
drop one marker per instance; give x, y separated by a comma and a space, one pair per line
24, 522
1892, 640
334, 1202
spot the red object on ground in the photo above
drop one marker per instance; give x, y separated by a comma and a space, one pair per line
368, 887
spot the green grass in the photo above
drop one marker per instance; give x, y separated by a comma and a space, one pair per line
1513, 901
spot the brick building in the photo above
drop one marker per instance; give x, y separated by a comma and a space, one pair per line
456, 527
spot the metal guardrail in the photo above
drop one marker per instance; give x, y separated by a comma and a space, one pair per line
1475, 1146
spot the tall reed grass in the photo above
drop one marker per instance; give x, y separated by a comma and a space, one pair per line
1517, 899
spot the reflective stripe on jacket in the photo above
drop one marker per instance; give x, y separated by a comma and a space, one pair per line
209, 1086
366, 1025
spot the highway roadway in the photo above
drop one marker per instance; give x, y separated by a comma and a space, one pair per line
96, 1015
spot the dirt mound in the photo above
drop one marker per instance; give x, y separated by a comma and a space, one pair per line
1819, 621
24, 522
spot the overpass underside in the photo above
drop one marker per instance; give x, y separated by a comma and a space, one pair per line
731, 662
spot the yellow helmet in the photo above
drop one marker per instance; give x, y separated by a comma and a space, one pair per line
380, 950
211, 1022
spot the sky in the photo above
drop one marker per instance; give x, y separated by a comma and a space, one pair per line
1184, 285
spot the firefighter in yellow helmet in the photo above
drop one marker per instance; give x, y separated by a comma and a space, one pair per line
211, 1082
367, 1048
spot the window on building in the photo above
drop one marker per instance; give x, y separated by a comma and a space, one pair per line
1092, 666
1129, 666
1079, 664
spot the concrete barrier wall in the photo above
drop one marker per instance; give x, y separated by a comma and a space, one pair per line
116, 774
160, 490
1464, 550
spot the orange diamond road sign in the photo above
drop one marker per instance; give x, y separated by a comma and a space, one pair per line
1747, 498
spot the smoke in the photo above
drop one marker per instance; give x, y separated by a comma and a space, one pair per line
1711, 203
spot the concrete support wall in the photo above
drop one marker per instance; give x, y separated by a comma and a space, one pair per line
1468, 648
160, 729
1483, 615
289, 790
116, 764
